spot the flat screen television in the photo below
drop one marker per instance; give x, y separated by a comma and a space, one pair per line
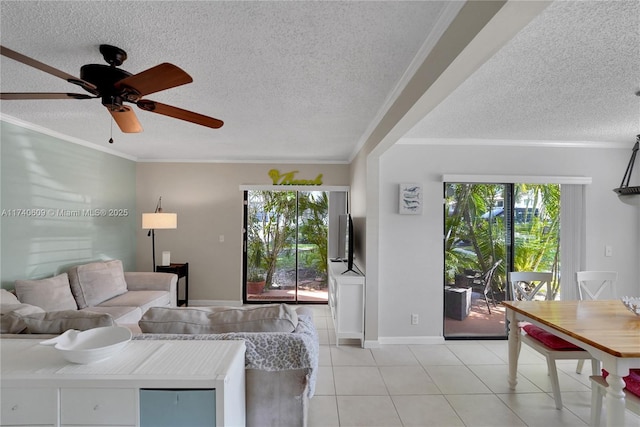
345, 240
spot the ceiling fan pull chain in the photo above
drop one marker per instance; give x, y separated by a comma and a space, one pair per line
111, 131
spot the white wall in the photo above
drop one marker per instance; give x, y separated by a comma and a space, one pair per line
411, 259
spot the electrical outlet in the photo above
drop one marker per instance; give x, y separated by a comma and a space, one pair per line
221, 238
414, 319
608, 250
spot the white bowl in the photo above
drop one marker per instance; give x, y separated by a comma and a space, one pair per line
92, 345
633, 304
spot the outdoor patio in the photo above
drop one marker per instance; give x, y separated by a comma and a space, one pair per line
479, 322
305, 294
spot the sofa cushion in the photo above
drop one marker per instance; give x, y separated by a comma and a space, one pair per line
121, 315
7, 297
217, 320
52, 294
12, 324
142, 299
97, 282
56, 322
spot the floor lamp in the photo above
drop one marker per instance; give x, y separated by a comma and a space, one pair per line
158, 221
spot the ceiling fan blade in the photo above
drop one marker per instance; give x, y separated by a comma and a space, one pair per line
5, 51
126, 119
179, 113
46, 95
155, 79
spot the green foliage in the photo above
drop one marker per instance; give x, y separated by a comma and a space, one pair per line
273, 218
475, 243
313, 229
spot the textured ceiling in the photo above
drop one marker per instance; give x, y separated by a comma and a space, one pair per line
306, 81
291, 80
570, 75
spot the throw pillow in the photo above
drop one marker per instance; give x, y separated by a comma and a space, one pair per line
97, 282
268, 318
13, 324
59, 321
52, 294
7, 297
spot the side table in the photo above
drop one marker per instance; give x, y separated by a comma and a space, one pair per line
182, 270
457, 302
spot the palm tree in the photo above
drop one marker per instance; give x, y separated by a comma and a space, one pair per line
538, 231
472, 242
313, 208
272, 216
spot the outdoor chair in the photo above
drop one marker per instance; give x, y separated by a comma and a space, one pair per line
591, 286
483, 283
526, 286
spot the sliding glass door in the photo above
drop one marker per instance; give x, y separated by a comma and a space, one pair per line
491, 229
285, 246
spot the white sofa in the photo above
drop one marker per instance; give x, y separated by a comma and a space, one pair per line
97, 288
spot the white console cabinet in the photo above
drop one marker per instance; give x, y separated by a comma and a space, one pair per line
346, 300
40, 388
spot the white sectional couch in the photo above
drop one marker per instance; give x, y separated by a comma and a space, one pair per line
93, 292
282, 345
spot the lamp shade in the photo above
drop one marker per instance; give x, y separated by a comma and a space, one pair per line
158, 221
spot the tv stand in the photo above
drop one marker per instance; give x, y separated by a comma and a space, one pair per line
346, 301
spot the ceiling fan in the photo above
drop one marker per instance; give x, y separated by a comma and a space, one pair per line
116, 86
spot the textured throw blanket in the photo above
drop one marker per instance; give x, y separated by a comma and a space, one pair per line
269, 351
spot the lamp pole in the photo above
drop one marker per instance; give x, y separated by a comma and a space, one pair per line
153, 247
159, 220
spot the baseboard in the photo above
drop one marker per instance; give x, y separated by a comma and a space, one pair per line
210, 302
411, 340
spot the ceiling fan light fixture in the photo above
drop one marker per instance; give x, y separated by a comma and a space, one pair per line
112, 102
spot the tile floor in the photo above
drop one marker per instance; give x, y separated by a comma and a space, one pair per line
460, 383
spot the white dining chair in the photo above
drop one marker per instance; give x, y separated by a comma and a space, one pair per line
527, 286
593, 285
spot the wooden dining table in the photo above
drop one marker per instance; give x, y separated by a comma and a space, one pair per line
605, 328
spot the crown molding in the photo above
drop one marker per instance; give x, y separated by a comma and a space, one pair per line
511, 143
30, 126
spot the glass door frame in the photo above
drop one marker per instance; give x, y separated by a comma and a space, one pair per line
532, 213
508, 203
295, 298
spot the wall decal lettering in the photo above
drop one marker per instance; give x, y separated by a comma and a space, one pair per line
288, 178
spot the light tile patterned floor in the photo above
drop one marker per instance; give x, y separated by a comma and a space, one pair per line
460, 383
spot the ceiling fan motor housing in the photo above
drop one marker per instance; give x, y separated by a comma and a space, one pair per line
104, 77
